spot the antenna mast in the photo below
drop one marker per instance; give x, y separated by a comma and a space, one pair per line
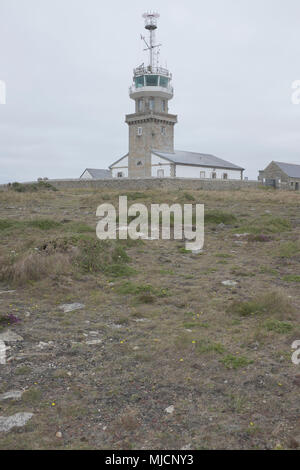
151, 26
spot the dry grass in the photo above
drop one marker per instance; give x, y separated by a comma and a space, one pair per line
34, 267
158, 327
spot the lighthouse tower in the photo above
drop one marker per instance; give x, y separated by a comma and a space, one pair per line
151, 127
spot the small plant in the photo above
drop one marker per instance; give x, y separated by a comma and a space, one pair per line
280, 327
292, 278
9, 319
188, 197
288, 249
145, 293
235, 362
43, 224
204, 346
259, 237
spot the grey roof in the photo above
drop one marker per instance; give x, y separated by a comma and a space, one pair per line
97, 174
290, 169
197, 159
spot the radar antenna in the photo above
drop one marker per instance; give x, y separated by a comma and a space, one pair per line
151, 26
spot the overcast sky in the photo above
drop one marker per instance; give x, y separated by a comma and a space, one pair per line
68, 64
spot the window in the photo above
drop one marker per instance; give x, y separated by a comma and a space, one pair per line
140, 105
151, 104
139, 82
225, 176
151, 80
163, 131
202, 174
139, 131
163, 106
160, 173
163, 81
120, 174
214, 175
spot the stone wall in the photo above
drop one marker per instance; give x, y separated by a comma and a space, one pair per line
141, 184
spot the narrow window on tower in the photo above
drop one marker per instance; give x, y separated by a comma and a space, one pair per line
163, 131
139, 131
163, 106
151, 104
140, 105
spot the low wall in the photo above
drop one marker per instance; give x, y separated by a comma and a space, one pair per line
156, 183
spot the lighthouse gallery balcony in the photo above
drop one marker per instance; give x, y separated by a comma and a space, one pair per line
149, 81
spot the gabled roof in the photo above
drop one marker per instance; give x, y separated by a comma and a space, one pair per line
97, 174
196, 159
290, 169
117, 161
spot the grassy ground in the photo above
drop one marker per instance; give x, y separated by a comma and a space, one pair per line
158, 327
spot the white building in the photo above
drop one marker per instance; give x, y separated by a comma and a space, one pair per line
182, 164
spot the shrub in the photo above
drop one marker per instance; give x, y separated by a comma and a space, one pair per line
41, 224
101, 256
32, 187
33, 266
219, 217
272, 303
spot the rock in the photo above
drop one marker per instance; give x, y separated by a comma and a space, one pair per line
43, 345
14, 394
10, 337
7, 292
221, 225
18, 420
197, 252
93, 342
240, 235
115, 326
187, 447
170, 409
295, 442
229, 283
71, 307
296, 380
58, 435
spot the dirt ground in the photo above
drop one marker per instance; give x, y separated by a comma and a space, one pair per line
161, 354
